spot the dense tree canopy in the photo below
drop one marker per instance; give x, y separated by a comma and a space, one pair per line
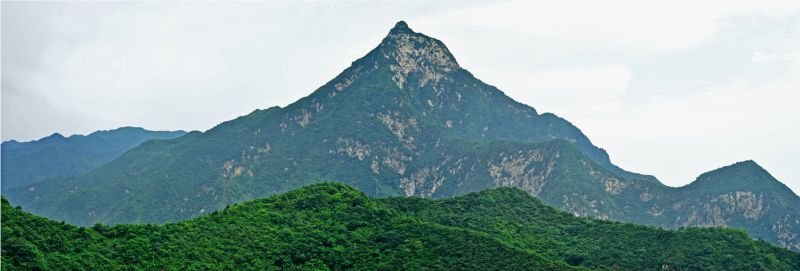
335, 227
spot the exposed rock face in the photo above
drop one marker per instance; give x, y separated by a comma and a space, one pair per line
396, 161
403, 128
786, 230
415, 53
423, 182
520, 170
582, 205
614, 185
353, 148
349, 78
303, 118
645, 196
745, 202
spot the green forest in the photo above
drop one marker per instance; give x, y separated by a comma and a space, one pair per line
331, 226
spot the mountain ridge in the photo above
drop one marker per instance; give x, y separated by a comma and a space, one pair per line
59, 156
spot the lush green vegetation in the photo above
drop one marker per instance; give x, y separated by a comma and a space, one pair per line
516, 219
58, 156
335, 227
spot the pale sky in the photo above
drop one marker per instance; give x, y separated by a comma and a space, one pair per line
669, 88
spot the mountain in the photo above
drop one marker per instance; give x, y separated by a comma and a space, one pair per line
383, 124
742, 195
24, 163
335, 227
405, 119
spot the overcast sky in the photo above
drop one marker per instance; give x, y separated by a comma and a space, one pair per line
669, 88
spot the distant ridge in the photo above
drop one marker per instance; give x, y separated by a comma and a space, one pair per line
24, 163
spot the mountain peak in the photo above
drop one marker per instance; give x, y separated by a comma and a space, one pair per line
741, 166
744, 174
746, 164
55, 136
414, 53
401, 27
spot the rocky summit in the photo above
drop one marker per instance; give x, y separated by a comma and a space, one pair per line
405, 120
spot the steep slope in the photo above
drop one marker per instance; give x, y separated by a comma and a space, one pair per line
742, 195
335, 227
405, 119
58, 156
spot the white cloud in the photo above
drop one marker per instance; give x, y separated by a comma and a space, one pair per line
761, 57
639, 25
581, 91
166, 66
